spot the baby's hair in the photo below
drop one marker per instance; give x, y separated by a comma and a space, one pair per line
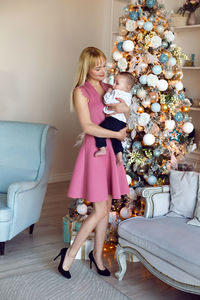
130, 78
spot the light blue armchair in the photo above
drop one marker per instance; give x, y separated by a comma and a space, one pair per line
26, 154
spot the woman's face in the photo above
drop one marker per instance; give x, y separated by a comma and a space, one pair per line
98, 72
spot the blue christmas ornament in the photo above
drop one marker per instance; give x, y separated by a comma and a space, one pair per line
134, 89
181, 96
136, 145
148, 26
134, 15
143, 79
126, 10
119, 46
150, 3
178, 117
165, 44
155, 107
157, 70
151, 18
174, 135
152, 180
163, 58
156, 153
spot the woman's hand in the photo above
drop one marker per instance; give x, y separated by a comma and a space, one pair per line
121, 134
119, 108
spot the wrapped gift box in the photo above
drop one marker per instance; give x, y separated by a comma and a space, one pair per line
69, 226
85, 249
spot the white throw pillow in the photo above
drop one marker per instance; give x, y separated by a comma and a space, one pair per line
183, 192
196, 220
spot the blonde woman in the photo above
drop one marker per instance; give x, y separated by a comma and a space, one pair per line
97, 179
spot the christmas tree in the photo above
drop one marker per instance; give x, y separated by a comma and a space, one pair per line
159, 125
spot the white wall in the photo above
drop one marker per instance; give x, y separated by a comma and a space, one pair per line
40, 44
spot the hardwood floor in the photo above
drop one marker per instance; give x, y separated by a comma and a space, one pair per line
26, 253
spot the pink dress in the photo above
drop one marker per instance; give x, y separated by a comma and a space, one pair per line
94, 178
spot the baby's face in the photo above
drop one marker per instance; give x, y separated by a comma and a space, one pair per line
121, 83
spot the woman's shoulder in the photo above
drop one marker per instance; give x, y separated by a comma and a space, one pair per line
81, 90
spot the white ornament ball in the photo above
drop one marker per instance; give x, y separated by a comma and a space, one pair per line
188, 127
169, 74
146, 102
149, 139
143, 119
170, 124
132, 194
119, 38
179, 86
141, 93
152, 80
125, 213
82, 209
129, 179
160, 28
128, 45
117, 55
162, 85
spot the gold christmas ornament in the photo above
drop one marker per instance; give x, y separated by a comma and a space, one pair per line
140, 110
185, 108
122, 30
153, 96
112, 71
140, 128
164, 107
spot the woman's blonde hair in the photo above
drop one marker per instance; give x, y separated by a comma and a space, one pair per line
89, 58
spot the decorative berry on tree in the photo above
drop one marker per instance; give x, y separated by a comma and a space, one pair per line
159, 125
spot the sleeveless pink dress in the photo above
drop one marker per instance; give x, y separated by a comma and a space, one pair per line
94, 178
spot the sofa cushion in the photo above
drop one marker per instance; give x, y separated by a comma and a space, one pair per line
170, 239
5, 211
183, 191
196, 220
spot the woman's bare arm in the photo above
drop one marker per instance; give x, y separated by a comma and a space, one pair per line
81, 105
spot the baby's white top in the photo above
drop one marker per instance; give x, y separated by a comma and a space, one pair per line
110, 97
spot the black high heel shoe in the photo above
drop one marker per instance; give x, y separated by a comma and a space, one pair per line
105, 272
62, 253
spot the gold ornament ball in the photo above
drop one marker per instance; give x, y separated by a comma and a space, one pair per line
185, 109
140, 110
112, 71
164, 107
153, 96
140, 128
122, 30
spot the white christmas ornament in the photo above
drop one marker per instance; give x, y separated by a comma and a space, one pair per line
188, 127
179, 86
143, 119
128, 177
131, 25
125, 213
156, 42
141, 93
146, 102
132, 194
152, 80
119, 38
117, 55
140, 23
160, 29
169, 74
162, 85
170, 124
149, 139
122, 64
169, 36
81, 209
128, 45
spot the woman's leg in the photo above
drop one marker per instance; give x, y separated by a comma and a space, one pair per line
100, 211
100, 233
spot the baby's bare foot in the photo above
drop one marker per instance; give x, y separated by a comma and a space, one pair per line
101, 151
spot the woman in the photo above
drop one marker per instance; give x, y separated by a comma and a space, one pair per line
97, 179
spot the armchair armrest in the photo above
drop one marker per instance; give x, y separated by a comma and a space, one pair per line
17, 188
157, 201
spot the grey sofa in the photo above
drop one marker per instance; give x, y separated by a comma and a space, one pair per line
167, 246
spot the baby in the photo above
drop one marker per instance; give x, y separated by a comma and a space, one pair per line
122, 86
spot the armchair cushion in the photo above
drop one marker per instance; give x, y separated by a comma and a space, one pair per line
196, 219
183, 191
5, 211
170, 239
